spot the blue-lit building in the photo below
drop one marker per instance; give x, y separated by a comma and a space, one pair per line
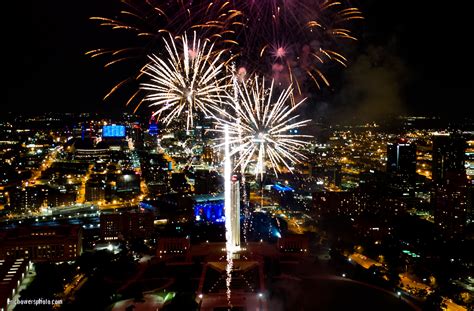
282, 188
113, 137
113, 131
153, 129
209, 208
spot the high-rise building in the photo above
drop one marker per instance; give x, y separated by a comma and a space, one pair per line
448, 155
450, 200
401, 157
450, 194
401, 171
137, 135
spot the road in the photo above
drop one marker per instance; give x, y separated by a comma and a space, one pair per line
71, 288
81, 195
47, 162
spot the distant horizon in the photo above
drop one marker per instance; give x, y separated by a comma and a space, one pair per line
142, 113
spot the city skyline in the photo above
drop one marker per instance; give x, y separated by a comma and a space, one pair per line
387, 207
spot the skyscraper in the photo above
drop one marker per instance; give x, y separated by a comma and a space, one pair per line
401, 169
450, 193
448, 156
401, 157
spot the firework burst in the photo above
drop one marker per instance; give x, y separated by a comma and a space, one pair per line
263, 128
296, 40
186, 81
145, 23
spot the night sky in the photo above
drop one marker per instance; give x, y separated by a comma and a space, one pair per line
411, 58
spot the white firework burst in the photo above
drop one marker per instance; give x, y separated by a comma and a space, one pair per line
186, 81
263, 128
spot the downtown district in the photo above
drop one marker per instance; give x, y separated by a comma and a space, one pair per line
92, 205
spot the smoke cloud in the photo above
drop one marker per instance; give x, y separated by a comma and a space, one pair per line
373, 87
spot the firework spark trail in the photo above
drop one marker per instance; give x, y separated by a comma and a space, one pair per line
267, 130
185, 81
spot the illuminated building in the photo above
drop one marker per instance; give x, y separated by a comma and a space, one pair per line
470, 176
137, 135
450, 200
283, 194
95, 191
113, 131
335, 203
128, 183
401, 157
27, 198
448, 155
113, 137
401, 170
208, 154
59, 196
92, 154
12, 274
470, 159
86, 151
209, 208
172, 246
294, 243
450, 194
153, 129
125, 225
150, 136
42, 243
